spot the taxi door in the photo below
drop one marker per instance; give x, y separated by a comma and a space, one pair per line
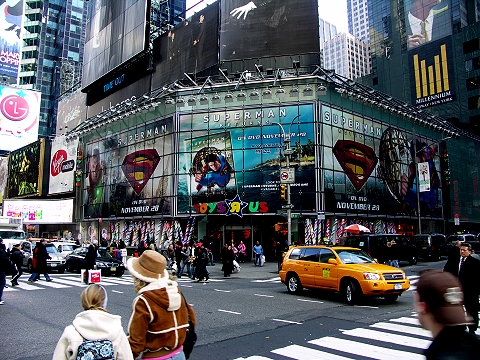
308, 262
326, 275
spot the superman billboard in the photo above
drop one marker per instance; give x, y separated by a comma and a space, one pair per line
369, 167
230, 161
130, 173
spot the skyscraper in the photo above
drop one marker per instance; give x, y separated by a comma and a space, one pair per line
327, 31
358, 26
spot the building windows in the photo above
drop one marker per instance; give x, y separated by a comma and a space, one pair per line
470, 46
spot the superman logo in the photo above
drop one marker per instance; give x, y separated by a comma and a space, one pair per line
139, 166
356, 159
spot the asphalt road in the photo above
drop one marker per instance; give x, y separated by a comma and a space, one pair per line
247, 316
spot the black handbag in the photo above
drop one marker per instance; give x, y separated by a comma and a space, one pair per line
191, 337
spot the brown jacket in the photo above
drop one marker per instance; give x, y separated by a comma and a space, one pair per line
159, 320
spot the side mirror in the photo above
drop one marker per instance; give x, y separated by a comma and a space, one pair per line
332, 261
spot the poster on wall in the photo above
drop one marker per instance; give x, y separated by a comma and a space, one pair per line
129, 173
71, 112
25, 170
369, 167
62, 165
3, 177
40, 211
19, 117
11, 14
230, 160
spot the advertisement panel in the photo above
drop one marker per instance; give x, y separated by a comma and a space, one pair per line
268, 28
432, 79
19, 113
62, 165
11, 14
3, 176
25, 170
40, 211
230, 160
116, 31
130, 173
369, 167
191, 46
426, 21
71, 112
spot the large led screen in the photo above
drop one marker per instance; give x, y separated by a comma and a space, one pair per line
130, 173
3, 177
19, 113
62, 165
116, 32
189, 47
11, 14
230, 161
71, 112
426, 21
369, 167
268, 28
25, 170
40, 211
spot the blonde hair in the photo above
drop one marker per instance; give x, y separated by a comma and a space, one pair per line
139, 284
94, 297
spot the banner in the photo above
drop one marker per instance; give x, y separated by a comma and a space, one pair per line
11, 20
423, 176
3, 177
62, 165
369, 167
40, 211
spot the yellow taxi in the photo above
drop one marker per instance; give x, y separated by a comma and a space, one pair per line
348, 271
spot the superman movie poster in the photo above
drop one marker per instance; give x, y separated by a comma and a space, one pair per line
236, 155
130, 173
369, 167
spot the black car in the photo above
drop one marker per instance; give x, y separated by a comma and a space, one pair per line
431, 246
104, 262
376, 246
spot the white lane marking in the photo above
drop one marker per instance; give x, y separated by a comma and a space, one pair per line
403, 329
288, 321
367, 307
388, 338
118, 292
312, 301
23, 286
268, 280
189, 286
53, 284
219, 290
117, 281
255, 357
303, 353
406, 320
70, 282
360, 349
230, 312
261, 295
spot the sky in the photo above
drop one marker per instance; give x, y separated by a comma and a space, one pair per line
333, 11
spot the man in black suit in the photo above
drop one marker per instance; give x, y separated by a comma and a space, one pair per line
467, 268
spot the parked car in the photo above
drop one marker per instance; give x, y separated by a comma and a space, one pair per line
452, 239
64, 247
375, 245
57, 261
431, 246
348, 271
104, 262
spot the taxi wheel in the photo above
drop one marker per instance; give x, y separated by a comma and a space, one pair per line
391, 299
294, 286
350, 293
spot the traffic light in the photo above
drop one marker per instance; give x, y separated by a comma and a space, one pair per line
78, 173
283, 192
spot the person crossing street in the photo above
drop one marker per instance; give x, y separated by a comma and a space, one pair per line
16, 257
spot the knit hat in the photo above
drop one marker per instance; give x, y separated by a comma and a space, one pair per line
149, 267
442, 293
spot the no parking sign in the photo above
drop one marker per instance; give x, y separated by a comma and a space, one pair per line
287, 176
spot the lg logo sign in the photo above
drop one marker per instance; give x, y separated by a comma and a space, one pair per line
14, 107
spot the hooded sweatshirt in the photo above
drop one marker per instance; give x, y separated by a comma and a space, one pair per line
159, 321
93, 325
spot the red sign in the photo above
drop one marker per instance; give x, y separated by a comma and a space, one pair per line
14, 107
57, 160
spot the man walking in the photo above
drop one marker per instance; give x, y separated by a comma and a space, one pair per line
466, 268
4, 264
40, 257
258, 251
16, 257
439, 305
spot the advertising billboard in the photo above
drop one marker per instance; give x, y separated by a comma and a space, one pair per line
3, 176
190, 46
230, 160
25, 170
19, 117
40, 211
369, 167
62, 165
268, 28
130, 173
71, 112
116, 32
11, 14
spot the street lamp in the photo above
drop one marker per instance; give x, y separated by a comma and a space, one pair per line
288, 152
417, 173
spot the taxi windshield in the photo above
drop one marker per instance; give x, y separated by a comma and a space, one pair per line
354, 257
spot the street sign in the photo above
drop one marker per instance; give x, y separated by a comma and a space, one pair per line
295, 216
287, 206
321, 215
287, 176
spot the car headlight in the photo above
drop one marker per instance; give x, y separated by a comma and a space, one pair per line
371, 276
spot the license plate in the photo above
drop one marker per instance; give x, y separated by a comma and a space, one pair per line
113, 269
53, 265
397, 286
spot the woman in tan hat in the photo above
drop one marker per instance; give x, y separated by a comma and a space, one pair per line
159, 321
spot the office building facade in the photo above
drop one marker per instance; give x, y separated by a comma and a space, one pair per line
358, 24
